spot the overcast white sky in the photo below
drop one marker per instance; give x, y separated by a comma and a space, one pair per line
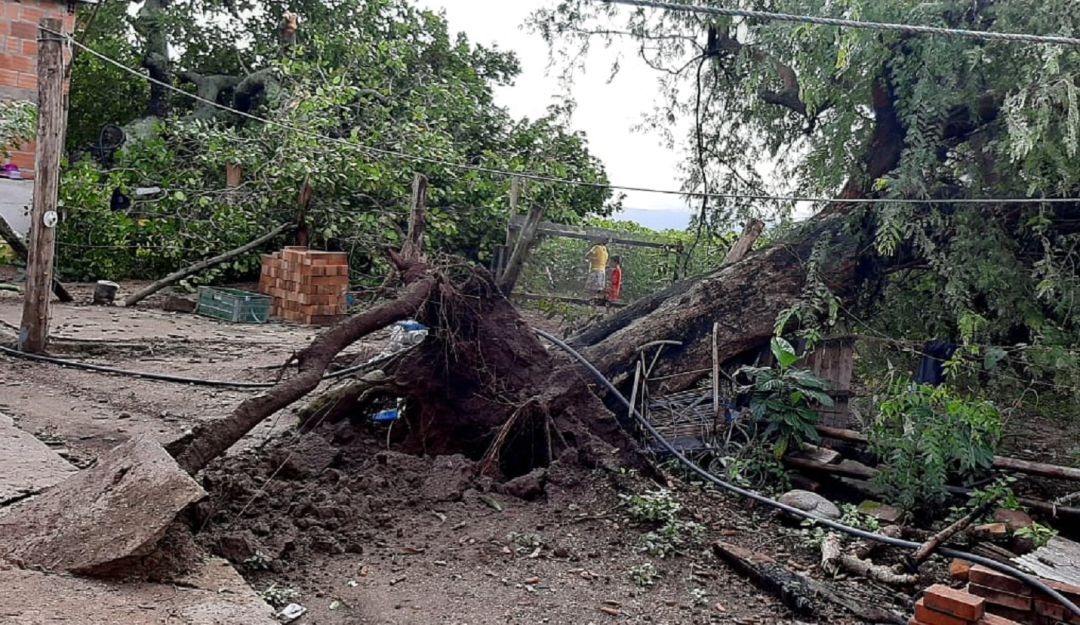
606, 112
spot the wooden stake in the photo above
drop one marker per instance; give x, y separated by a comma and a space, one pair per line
512, 271
34, 330
413, 249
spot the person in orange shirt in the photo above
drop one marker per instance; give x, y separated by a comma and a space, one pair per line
615, 284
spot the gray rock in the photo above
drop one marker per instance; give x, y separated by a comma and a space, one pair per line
812, 503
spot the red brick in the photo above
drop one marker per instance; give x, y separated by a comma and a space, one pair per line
17, 62
29, 48
959, 569
1000, 597
1069, 590
992, 579
1052, 609
32, 14
941, 598
933, 617
994, 619
24, 30
8, 78
27, 81
9, 10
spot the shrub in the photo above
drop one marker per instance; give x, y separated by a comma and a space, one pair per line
926, 436
782, 396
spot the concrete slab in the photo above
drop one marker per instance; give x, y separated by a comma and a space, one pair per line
215, 595
116, 510
27, 466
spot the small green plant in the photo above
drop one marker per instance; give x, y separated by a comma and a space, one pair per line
755, 466
999, 493
653, 506
1037, 533
527, 542
279, 597
660, 508
670, 537
258, 562
853, 518
783, 398
699, 597
644, 575
926, 436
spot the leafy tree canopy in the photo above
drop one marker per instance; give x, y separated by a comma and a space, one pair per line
846, 112
362, 79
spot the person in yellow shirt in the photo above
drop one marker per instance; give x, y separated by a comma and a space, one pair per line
596, 283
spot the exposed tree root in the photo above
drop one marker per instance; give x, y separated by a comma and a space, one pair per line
833, 560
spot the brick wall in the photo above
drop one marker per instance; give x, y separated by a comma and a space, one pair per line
18, 56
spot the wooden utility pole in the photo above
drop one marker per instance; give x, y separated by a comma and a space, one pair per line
34, 330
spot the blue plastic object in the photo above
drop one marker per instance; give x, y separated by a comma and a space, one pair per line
411, 326
386, 416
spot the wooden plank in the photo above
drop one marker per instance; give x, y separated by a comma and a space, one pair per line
817, 454
521, 249
745, 242
548, 229
34, 330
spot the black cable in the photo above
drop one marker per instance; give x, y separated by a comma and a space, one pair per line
164, 377
887, 540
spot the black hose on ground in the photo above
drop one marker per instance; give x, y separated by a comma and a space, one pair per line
164, 377
1031, 580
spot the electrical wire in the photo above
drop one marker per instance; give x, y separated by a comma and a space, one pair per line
371, 150
912, 29
742, 492
165, 377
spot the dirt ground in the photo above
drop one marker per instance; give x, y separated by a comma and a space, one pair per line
360, 534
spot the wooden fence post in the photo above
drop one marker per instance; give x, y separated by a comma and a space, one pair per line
34, 329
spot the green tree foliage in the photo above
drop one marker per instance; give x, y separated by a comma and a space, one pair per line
832, 111
365, 79
928, 436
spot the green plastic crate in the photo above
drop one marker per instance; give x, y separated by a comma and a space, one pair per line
233, 305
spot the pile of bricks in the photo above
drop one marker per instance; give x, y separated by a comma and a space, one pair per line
306, 286
991, 598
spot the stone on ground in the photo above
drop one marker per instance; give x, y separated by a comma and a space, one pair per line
811, 502
119, 509
27, 466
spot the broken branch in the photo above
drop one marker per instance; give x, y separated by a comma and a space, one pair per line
176, 276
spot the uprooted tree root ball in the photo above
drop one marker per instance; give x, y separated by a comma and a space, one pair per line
475, 386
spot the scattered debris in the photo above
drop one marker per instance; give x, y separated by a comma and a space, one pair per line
291, 612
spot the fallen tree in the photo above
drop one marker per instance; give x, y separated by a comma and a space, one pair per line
482, 368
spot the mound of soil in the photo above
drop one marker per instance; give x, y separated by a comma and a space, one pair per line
361, 535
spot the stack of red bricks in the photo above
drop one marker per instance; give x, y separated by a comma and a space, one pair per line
306, 286
991, 598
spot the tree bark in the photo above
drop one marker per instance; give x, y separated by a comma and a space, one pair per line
647, 305
203, 264
17, 246
211, 440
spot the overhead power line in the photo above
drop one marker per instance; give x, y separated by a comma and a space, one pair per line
913, 29
372, 150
